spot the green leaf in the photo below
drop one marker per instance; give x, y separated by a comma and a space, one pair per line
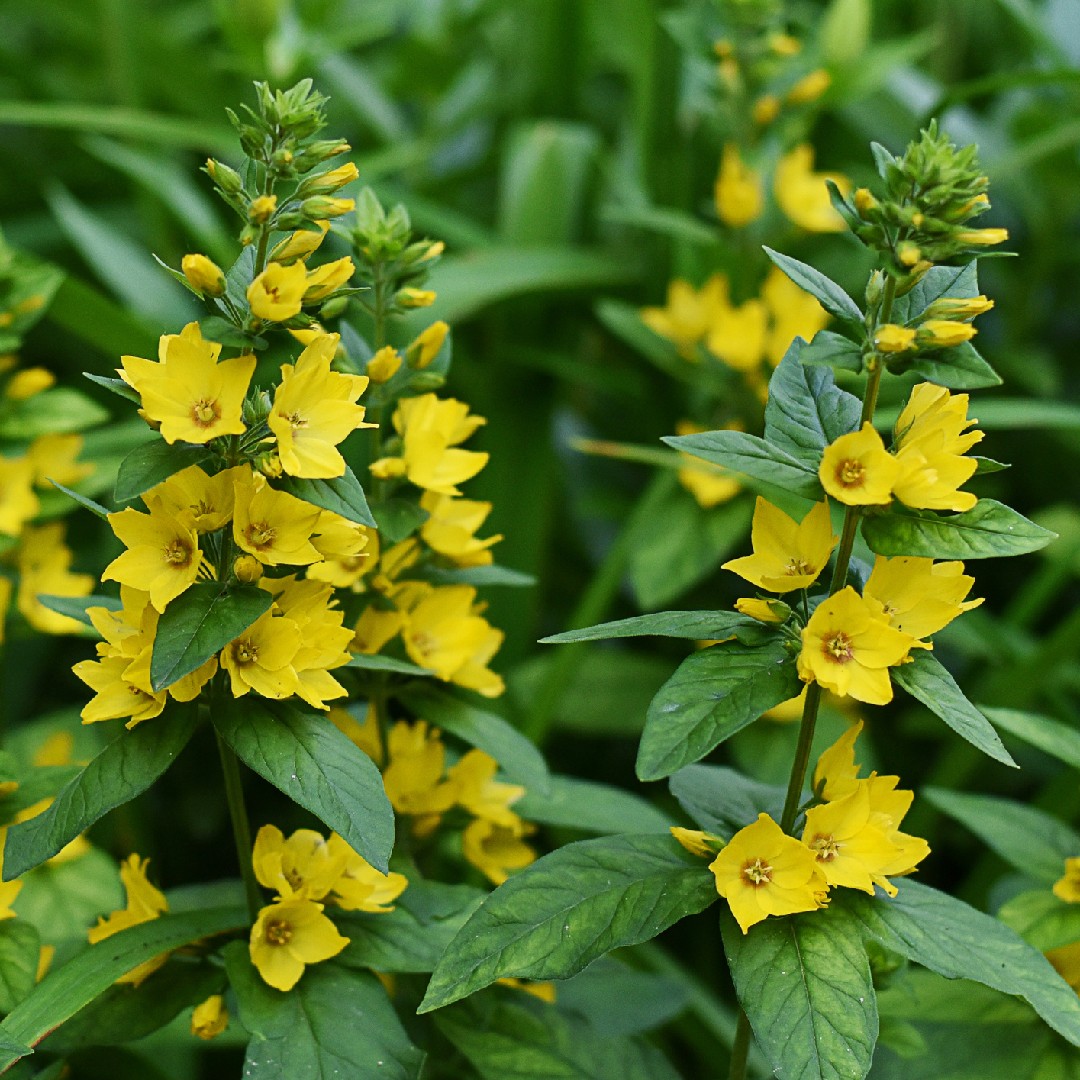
988, 530
624, 321
200, 622
713, 694
555, 917
959, 368
674, 624
749, 455
52, 412
334, 1022
374, 662
938, 283
490, 575
64, 991
926, 680
124, 1012
804, 982
152, 463
309, 760
721, 800
87, 504
522, 1041
1032, 841
413, 936
1051, 736
343, 495
487, 731
20, 948
116, 386
591, 807
75, 607
398, 519
832, 350
124, 769
947, 936
831, 297
1042, 919
806, 410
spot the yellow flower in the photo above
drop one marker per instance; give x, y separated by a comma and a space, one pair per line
314, 410
210, 1017
1068, 888
303, 867
450, 528
426, 345
324, 206
890, 338
787, 554
361, 887
205, 501
954, 307
944, 333
480, 793
53, 457
144, 902
375, 627
772, 612
18, 503
497, 850
277, 294
162, 556
383, 366
766, 109
696, 842
848, 647
28, 382
260, 659
8, 891
762, 871
188, 393
261, 208
289, 935
365, 735
203, 275
737, 194
809, 88
414, 779
415, 298
857, 470
920, 596
931, 439
836, 771
736, 335
981, 237
44, 563
299, 244
328, 278
272, 525
349, 550
1065, 960
802, 194
333, 179
545, 991
688, 314
795, 313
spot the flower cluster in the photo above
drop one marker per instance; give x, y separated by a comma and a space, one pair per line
421, 786
308, 871
850, 640
851, 839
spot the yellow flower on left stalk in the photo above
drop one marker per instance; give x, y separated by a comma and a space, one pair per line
144, 902
787, 554
738, 192
192, 396
1068, 888
802, 195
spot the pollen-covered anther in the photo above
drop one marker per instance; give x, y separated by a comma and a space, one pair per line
825, 847
206, 412
260, 534
246, 652
757, 872
850, 473
177, 553
278, 932
838, 648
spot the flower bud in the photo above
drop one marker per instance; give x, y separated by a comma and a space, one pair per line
414, 298
300, 244
865, 202
334, 307
269, 465
424, 382
227, 179
262, 208
982, 237
203, 275
950, 307
908, 254
247, 569
809, 87
765, 611
383, 366
325, 206
944, 333
426, 345
784, 45
766, 109
328, 278
328, 182
891, 338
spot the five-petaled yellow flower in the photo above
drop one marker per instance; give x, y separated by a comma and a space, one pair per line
857, 470
289, 935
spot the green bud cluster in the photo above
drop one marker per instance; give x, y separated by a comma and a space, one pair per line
919, 220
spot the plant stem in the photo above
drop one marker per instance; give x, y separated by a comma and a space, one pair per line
740, 1048
234, 794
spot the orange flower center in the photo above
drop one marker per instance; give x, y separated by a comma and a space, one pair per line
177, 553
245, 651
797, 567
296, 420
850, 473
278, 932
260, 534
838, 648
826, 847
756, 873
205, 412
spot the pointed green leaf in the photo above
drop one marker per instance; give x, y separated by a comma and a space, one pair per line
20, 952
375, 662
490, 575
959, 368
116, 386
334, 1022
487, 731
52, 412
591, 807
1051, 736
87, 504
752, 456
989, 529
804, 982
522, 1041
696, 625
953, 939
1042, 919
152, 463
398, 519
722, 800
832, 350
67, 989
124, 769
1032, 841
75, 607
926, 680
938, 283
713, 694
343, 495
831, 297
200, 622
307, 758
806, 410
555, 917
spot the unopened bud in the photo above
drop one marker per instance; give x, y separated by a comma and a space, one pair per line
203, 275
982, 237
426, 345
326, 206
766, 109
950, 307
328, 182
247, 569
227, 179
944, 333
865, 202
414, 298
909, 254
383, 366
262, 208
809, 87
765, 611
891, 338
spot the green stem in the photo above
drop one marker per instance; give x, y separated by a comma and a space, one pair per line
234, 794
740, 1048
